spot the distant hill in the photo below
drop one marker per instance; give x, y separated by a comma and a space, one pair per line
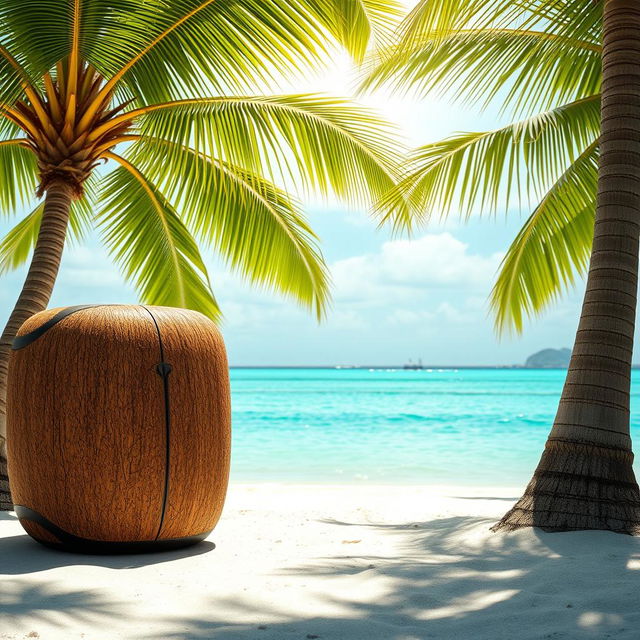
549, 359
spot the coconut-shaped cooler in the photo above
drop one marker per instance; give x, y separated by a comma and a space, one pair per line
119, 428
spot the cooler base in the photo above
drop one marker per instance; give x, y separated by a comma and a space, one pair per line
56, 538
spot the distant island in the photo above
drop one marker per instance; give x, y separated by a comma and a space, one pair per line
549, 359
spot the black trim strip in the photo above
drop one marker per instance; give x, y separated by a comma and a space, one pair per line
20, 342
163, 369
76, 544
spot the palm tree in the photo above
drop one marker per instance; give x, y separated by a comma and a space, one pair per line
574, 66
163, 93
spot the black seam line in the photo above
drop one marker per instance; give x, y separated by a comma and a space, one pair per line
605, 356
621, 95
603, 234
611, 404
167, 426
86, 545
20, 342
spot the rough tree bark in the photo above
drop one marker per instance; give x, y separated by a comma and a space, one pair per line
584, 479
34, 297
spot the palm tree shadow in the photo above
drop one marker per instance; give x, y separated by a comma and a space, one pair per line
48, 601
448, 578
21, 555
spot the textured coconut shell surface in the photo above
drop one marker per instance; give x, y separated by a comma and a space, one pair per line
118, 427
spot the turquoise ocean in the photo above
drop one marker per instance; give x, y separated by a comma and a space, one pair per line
482, 427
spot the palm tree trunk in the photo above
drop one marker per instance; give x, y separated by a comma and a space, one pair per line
34, 297
584, 479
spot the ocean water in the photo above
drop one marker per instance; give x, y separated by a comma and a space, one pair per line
483, 427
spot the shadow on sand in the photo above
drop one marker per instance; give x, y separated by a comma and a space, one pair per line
39, 600
453, 580
21, 555
446, 579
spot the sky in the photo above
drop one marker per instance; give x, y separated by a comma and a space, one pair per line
395, 299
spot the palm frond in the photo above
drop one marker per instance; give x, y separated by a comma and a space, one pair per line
147, 239
165, 50
363, 22
18, 176
157, 51
36, 32
435, 18
309, 141
475, 172
16, 246
11, 78
256, 227
552, 247
573, 18
566, 69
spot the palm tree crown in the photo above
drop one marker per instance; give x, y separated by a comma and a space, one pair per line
153, 87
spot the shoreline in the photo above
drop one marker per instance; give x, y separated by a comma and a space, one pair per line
335, 563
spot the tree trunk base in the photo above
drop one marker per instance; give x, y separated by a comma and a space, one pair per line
576, 487
6, 503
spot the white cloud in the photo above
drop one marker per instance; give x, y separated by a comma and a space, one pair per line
405, 269
84, 266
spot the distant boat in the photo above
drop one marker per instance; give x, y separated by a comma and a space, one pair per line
413, 366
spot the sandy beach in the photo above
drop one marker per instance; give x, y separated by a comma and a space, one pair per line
334, 563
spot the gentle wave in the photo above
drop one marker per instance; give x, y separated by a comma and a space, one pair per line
479, 426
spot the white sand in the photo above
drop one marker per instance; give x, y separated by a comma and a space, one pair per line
334, 563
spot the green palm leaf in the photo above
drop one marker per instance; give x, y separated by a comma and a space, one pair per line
18, 176
155, 52
152, 246
16, 246
324, 144
552, 247
256, 227
193, 45
565, 69
475, 171
439, 17
162, 50
364, 21
39, 30
10, 79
